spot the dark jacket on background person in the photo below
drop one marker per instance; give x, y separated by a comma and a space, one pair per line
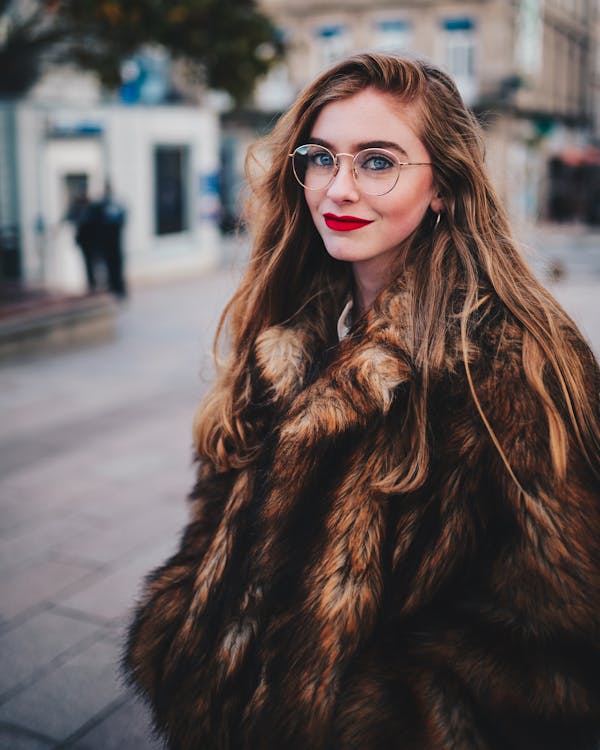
99, 235
309, 608
88, 222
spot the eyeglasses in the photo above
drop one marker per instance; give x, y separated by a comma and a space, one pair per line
375, 170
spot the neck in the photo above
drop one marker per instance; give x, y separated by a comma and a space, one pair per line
363, 298
369, 279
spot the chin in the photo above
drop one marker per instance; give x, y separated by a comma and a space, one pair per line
341, 249
341, 254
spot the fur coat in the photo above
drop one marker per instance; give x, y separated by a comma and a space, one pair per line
310, 608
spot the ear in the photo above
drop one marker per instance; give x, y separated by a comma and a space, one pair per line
437, 204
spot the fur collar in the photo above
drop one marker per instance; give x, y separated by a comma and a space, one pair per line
372, 361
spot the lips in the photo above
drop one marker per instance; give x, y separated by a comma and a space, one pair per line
345, 223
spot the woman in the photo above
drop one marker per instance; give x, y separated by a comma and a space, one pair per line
395, 533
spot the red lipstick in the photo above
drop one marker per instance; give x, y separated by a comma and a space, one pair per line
345, 223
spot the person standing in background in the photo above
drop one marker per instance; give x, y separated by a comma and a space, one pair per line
112, 223
99, 234
84, 216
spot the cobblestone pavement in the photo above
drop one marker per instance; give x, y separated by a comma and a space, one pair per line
95, 449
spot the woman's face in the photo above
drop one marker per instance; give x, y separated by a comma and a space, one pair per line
372, 243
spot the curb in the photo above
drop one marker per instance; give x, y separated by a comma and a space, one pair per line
56, 324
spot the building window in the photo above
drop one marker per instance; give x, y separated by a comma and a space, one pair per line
529, 39
459, 54
393, 35
171, 189
333, 44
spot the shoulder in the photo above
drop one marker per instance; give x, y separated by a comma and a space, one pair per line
535, 395
499, 343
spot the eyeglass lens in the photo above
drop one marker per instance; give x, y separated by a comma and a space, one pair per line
375, 171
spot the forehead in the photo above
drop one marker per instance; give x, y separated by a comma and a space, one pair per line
370, 115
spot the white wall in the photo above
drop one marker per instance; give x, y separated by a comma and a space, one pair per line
123, 152
131, 139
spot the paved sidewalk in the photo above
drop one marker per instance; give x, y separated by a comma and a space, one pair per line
571, 249
95, 450
95, 464
570, 253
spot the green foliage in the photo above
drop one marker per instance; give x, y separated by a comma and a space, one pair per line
227, 44
23, 42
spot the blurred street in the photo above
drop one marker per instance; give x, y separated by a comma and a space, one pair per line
95, 464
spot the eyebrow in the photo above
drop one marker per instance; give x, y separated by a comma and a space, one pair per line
364, 144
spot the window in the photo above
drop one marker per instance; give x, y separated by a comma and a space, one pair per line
333, 44
528, 46
393, 35
171, 189
459, 54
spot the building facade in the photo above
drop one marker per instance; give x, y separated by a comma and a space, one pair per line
529, 68
65, 140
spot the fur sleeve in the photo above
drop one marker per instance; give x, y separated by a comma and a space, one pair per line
168, 590
499, 581
547, 576
531, 650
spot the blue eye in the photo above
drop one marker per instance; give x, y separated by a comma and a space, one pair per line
375, 162
321, 159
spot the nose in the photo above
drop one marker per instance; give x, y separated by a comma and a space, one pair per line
343, 186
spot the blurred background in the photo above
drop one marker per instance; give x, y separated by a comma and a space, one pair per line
159, 101
123, 132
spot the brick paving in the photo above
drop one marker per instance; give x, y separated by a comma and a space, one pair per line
95, 449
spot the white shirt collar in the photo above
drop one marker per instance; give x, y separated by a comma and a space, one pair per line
345, 320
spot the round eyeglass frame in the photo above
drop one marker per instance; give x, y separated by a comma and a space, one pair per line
336, 166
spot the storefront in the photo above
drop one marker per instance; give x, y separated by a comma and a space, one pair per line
161, 163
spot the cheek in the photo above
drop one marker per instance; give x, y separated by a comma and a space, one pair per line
312, 202
405, 216
311, 197
413, 204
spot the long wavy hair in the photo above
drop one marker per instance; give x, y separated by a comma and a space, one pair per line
472, 250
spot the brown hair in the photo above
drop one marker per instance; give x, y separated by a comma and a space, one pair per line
472, 250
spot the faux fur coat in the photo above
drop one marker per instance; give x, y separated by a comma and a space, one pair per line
309, 608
